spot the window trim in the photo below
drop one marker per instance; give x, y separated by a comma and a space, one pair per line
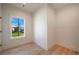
11, 28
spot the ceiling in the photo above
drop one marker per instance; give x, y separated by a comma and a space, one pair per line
32, 7
58, 5
29, 7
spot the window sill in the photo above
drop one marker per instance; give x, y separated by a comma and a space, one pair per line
17, 37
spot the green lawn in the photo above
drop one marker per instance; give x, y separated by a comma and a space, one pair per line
15, 34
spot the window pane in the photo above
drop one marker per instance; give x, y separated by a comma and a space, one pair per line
21, 27
15, 27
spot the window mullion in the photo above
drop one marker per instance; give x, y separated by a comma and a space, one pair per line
18, 26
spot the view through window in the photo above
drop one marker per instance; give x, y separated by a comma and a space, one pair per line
17, 27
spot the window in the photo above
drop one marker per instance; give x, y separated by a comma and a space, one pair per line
18, 26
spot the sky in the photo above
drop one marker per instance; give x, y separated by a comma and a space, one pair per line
15, 22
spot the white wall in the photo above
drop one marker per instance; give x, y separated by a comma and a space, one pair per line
44, 27
0, 11
68, 27
8, 12
50, 27
40, 27
0, 25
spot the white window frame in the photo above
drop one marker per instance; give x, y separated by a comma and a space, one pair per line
11, 28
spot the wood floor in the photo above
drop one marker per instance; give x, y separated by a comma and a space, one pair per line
33, 49
59, 50
26, 49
